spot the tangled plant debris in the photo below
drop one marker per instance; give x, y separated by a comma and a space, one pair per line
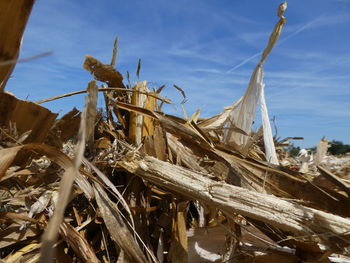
130, 183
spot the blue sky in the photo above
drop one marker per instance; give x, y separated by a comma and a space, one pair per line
200, 45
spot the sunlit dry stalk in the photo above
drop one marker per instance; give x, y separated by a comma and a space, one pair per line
50, 236
150, 94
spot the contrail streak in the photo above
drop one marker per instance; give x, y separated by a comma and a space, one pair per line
244, 62
279, 43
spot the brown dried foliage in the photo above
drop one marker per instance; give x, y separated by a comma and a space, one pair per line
151, 187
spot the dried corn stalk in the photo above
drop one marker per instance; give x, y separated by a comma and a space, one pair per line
277, 212
321, 151
136, 120
51, 233
91, 111
243, 115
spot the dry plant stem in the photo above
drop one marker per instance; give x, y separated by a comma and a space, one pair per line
119, 231
78, 243
115, 51
112, 188
105, 93
334, 179
50, 236
232, 199
103, 89
136, 120
14, 61
92, 112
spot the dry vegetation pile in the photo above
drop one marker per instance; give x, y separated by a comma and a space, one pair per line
129, 183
